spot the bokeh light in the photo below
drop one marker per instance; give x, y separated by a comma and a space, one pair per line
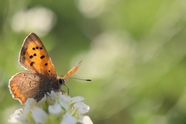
38, 19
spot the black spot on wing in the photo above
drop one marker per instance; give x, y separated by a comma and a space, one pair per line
32, 63
42, 57
30, 56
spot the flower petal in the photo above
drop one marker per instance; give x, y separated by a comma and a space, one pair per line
68, 119
77, 99
82, 108
54, 109
64, 100
14, 118
30, 103
86, 120
39, 115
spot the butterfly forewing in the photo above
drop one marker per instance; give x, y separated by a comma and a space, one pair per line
34, 57
72, 71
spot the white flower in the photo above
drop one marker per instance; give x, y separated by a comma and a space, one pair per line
15, 116
77, 99
29, 104
39, 115
64, 101
68, 119
86, 120
55, 108
82, 108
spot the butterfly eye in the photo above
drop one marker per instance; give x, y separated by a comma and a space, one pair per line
61, 81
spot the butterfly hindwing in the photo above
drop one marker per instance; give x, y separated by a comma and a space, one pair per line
26, 85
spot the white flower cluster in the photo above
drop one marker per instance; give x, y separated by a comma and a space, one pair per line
53, 109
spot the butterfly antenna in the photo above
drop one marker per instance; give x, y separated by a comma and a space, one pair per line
80, 79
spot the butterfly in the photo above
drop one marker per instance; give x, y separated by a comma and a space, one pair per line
42, 77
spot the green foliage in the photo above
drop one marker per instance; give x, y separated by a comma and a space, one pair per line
133, 50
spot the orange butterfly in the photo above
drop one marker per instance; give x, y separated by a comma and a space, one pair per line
42, 78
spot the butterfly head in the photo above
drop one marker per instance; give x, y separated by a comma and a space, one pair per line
61, 81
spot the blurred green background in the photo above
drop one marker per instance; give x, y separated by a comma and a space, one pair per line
133, 50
